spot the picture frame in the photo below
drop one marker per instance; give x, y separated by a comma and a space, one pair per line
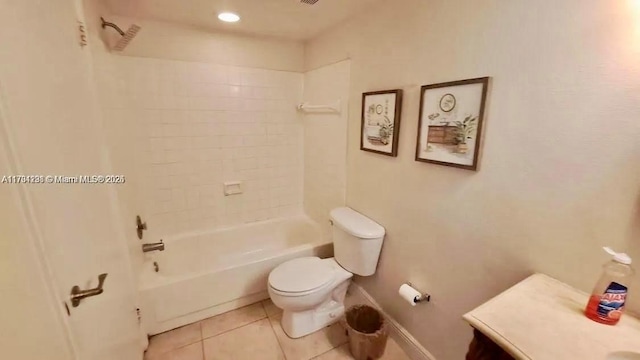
450, 123
380, 122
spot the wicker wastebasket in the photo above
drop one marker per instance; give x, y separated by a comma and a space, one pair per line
367, 332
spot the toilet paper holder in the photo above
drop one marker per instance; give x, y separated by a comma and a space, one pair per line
424, 297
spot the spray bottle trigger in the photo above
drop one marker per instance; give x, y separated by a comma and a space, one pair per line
622, 258
610, 251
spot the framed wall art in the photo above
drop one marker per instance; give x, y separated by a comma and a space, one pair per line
381, 112
450, 126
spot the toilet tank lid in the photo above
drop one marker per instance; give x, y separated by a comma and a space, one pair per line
356, 224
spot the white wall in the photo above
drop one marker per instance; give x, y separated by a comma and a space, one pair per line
559, 175
121, 135
325, 142
165, 40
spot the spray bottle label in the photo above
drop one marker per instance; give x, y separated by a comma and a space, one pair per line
612, 301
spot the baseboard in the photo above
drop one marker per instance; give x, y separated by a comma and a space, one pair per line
358, 295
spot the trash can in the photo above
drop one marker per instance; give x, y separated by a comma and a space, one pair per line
367, 332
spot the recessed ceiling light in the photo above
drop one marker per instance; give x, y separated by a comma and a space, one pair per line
228, 17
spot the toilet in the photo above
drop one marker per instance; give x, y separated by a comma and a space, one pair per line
310, 290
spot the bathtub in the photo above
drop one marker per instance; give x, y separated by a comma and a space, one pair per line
204, 274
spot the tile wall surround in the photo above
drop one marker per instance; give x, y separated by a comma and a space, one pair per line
193, 126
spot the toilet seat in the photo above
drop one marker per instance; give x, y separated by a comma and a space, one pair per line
301, 276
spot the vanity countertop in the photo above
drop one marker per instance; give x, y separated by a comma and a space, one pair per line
542, 318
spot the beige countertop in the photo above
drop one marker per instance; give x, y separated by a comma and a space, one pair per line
542, 318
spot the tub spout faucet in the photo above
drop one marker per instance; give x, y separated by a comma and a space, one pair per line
159, 246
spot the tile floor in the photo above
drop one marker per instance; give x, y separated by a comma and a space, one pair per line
253, 332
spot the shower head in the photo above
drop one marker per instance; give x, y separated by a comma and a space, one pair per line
126, 37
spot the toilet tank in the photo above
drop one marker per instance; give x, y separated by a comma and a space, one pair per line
357, 241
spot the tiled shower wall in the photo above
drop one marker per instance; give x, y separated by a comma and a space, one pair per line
194, 126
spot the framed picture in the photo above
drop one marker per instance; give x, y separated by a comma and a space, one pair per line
381, 111
450, 126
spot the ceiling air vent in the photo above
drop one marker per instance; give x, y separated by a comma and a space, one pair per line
309, 2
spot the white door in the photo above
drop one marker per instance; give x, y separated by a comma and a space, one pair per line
52, 127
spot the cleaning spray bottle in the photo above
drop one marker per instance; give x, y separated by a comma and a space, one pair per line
610, 293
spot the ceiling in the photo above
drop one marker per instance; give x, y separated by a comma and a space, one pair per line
288, 19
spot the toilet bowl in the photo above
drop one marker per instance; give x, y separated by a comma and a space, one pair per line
311, 293
310, 290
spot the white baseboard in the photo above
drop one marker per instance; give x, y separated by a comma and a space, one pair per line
358, 295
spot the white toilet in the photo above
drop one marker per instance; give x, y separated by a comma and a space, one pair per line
310, 290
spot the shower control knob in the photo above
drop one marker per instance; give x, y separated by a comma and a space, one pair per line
140, 226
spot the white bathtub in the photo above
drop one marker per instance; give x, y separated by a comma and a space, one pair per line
205, 274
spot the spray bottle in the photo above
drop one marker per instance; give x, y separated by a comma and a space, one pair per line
607, 300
